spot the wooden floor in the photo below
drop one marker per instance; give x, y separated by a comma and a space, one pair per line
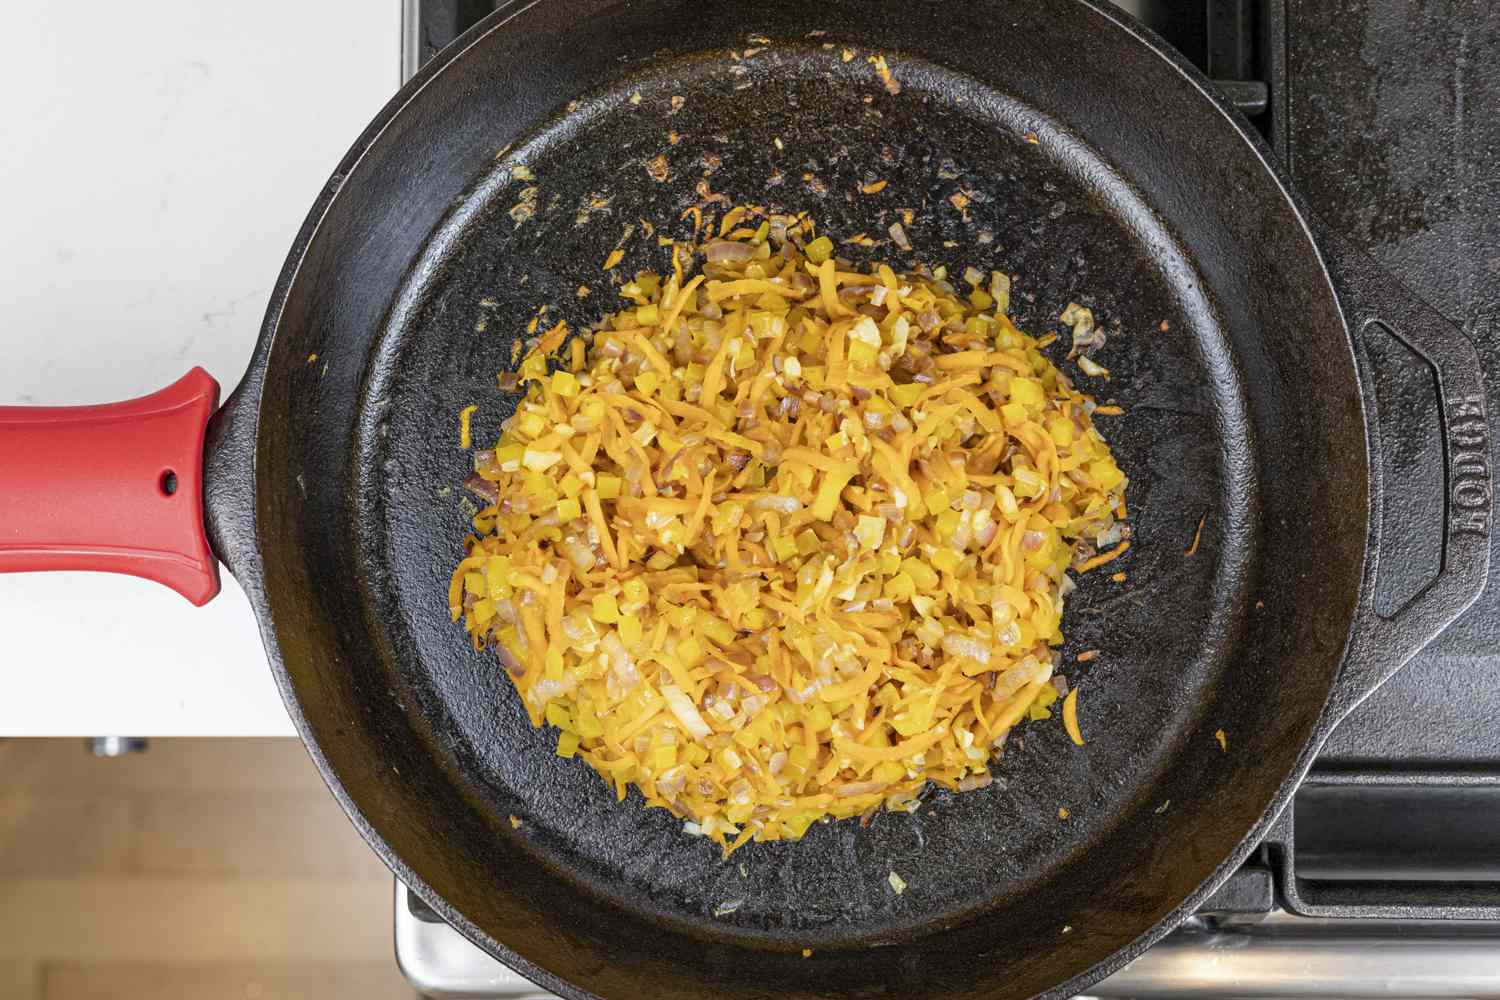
200, 869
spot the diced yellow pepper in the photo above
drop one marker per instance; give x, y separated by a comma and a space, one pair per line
797, 826
690, 652
565, 383
635, 590
808, 542
567, 744
539, 460
606, 609
571, 485
905, 395
646, 383
946, 560
497, 578
474, 583
663, 758
587, 722
870, 531
559, 716
569, 509
900, 587
648, 315
531, 424
923, 575
819, 249
717, 629
1026, 391
890, 562
1062, 431
862, 353
784, 547
508, 457
630, 629
608, 487
938, 501
917, 720
1106, 473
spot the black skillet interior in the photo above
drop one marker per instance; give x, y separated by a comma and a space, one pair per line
1225, 349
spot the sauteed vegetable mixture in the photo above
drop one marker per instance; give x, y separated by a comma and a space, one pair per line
786, 540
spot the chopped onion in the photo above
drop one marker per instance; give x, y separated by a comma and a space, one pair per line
686, 712
780, 504
482, 488
958, 644
725, 251
852, 788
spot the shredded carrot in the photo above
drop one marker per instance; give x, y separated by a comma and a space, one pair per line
1192, 549
1070, 717
773, 559
465, 435
1102, 558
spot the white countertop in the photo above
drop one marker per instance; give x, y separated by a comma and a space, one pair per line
157, 160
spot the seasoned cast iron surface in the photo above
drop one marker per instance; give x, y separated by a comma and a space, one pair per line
1039, 207
1246, 411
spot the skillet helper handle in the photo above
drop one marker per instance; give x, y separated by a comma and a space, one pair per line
1381, 644
116, 488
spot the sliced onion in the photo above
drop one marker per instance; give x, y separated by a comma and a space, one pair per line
579, 554
849, 789
482, 488
780, 504
959, 644
727, 251
686, 712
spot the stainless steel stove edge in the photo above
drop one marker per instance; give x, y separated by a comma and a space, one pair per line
1278, 956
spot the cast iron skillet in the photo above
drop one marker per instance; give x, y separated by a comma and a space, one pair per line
1106, 172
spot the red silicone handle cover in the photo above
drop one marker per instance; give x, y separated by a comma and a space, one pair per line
116, 488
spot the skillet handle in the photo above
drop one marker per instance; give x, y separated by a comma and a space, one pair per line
116, 488
1381, 644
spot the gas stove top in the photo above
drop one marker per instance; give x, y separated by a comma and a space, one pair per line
1383, 878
